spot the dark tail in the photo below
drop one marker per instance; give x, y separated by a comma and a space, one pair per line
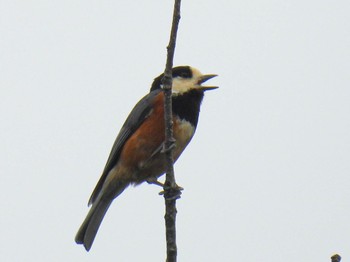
92, 222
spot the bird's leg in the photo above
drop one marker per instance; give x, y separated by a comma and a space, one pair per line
170, 146
154, 181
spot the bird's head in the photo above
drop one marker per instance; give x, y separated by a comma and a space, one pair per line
185, 78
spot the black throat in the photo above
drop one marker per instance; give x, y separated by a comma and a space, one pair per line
187, 105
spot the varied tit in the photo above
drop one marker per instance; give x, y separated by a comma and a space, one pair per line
136, 155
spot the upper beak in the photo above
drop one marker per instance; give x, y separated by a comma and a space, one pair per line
203, 79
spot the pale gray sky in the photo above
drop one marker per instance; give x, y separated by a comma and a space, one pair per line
267, 176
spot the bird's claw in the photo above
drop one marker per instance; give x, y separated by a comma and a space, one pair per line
171, 193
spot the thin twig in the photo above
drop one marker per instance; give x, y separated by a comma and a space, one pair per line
171, 190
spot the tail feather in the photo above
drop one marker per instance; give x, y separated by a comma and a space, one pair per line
88, 230
92, 222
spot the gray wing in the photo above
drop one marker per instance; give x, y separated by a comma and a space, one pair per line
134, 120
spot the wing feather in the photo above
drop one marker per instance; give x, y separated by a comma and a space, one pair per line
139, 113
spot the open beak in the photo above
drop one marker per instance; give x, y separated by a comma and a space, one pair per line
203, 79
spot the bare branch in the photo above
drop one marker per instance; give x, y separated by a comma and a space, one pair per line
171, 190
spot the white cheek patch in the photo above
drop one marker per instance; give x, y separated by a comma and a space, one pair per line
181, 85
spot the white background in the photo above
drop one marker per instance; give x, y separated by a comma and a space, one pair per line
267, 176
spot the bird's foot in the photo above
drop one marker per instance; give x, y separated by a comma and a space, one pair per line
171, 193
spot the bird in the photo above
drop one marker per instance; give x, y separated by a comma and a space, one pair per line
136, 155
